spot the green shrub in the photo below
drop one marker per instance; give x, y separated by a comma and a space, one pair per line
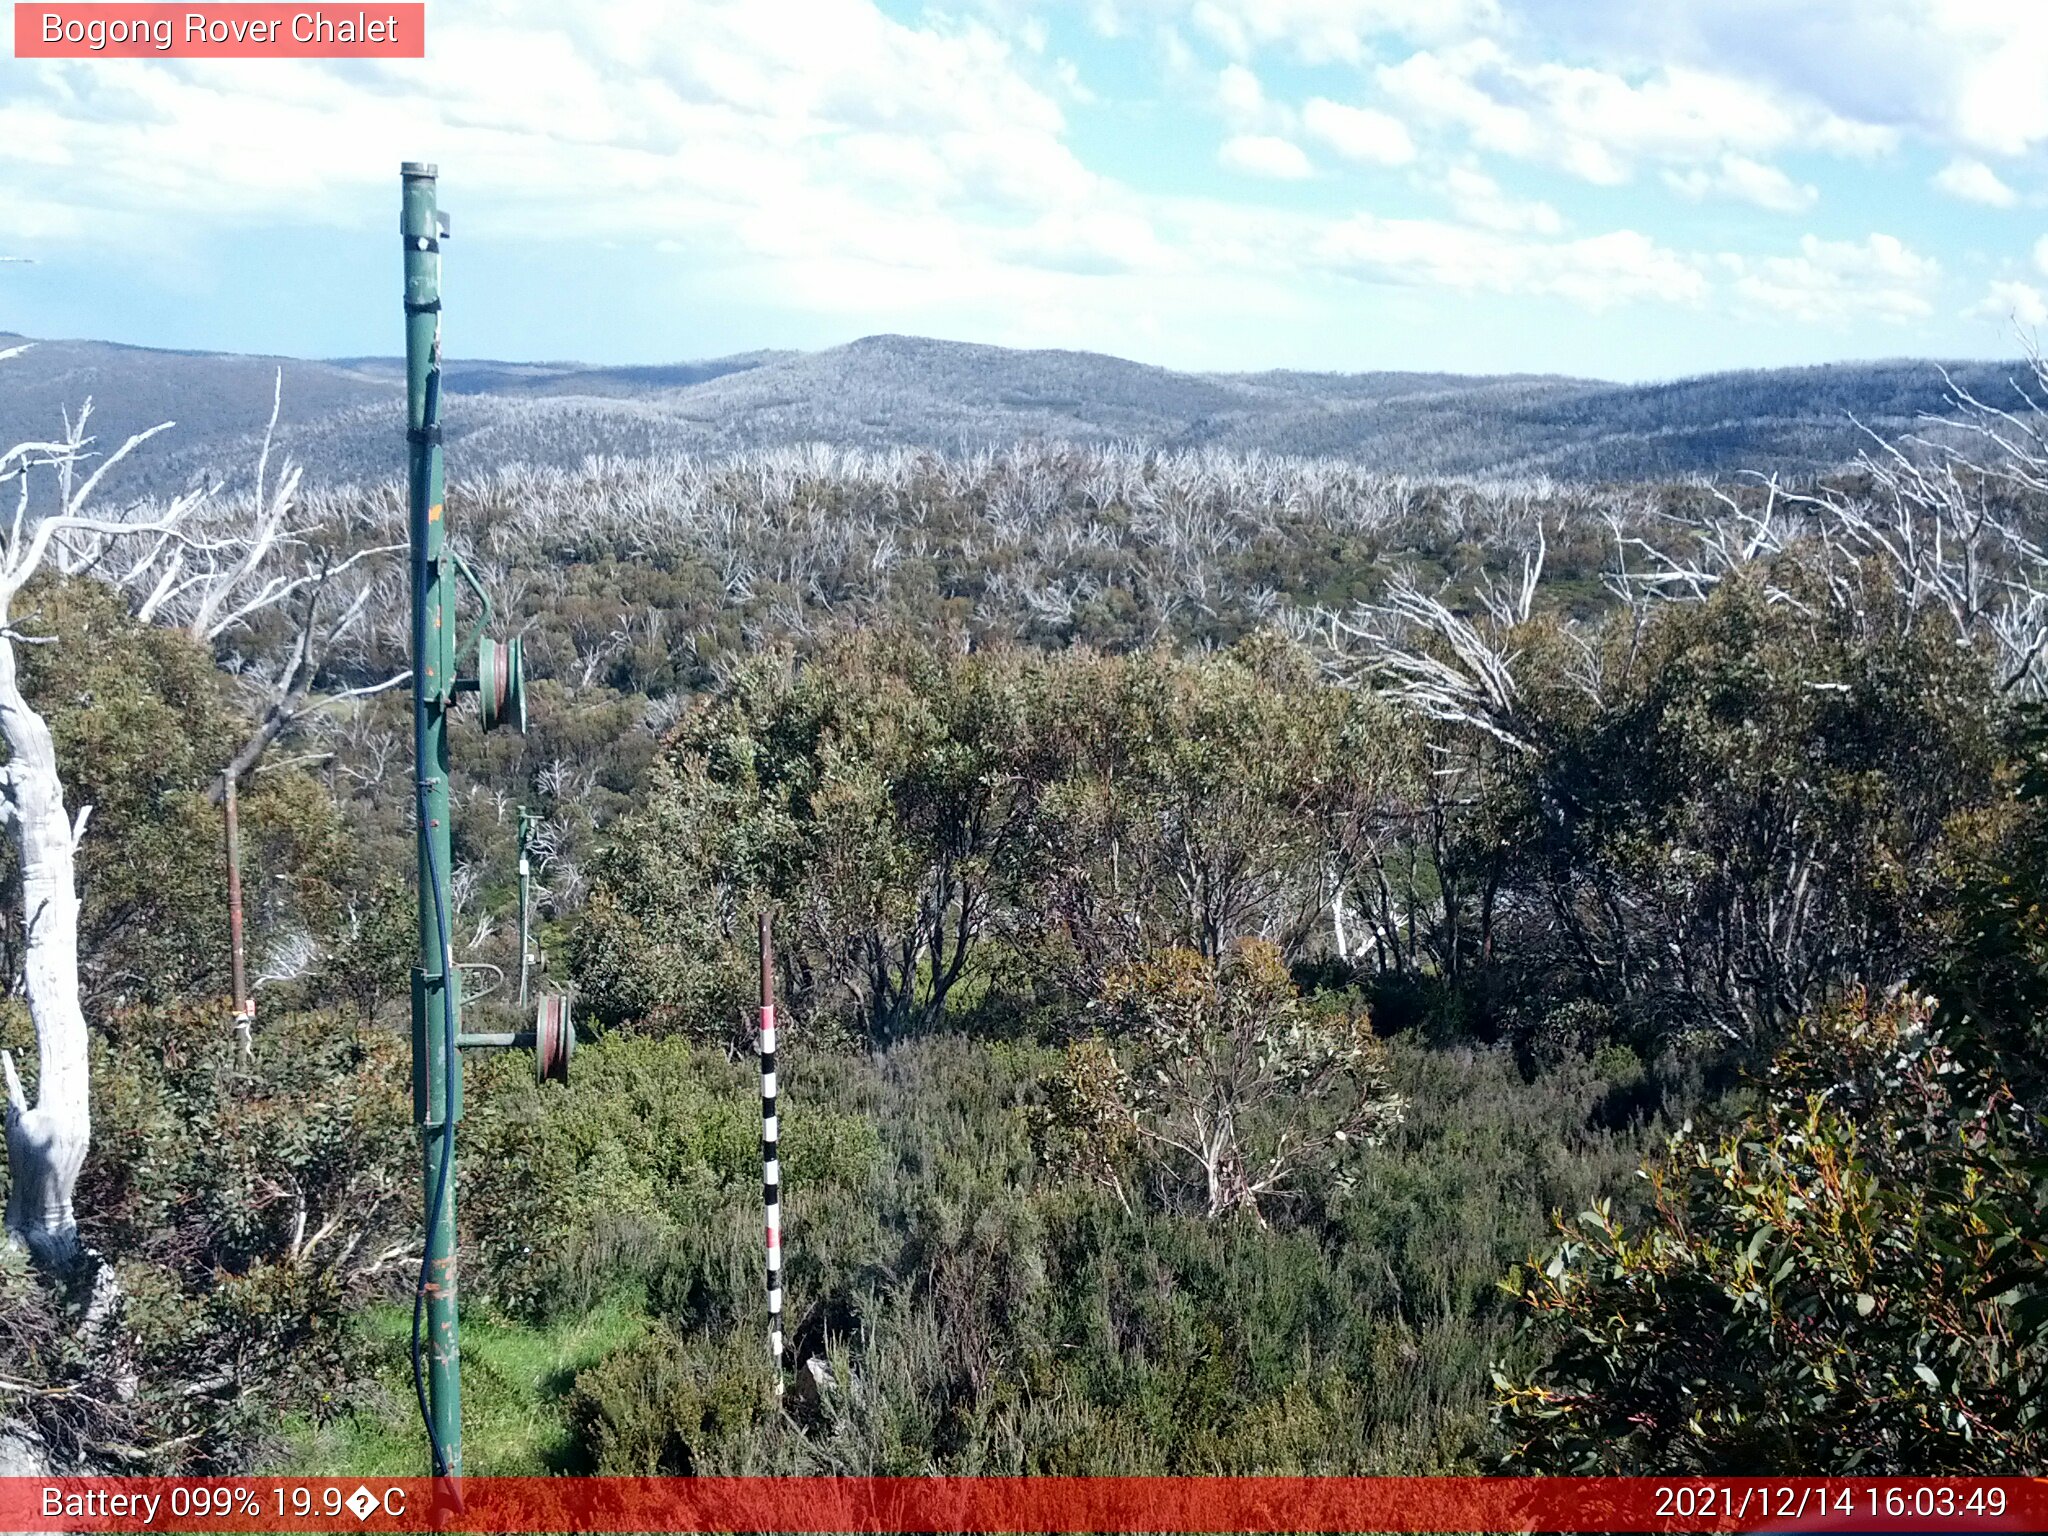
143, 723
625, 1178
249, 1208
970, 1314
660, 1408
1816, 1290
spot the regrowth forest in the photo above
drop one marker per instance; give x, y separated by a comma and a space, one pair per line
1284, 969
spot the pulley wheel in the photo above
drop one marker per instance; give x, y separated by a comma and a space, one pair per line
554, 1039
501, 684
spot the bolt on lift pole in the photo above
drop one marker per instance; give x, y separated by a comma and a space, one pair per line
436, 1001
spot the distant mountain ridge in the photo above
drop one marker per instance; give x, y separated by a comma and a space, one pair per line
340, 416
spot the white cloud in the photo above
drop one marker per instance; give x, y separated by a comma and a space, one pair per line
1240, 95
1480, 200
749, 135
1359, 133
1975, 182
1981, 68
1599, 125
1263, 154
1325, 31
1746, 181
1833, 280
1962, 73
2014, 303
1988, 63
1105, 20
822, 154
1093, 243
1440, 88
1596, 272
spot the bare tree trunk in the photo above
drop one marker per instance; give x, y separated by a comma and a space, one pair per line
46, 1145
276, 717
245, 1012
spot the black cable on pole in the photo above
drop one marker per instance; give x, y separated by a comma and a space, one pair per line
450, 1066
451, 1062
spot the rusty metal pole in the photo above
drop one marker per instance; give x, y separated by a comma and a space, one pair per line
245, 1010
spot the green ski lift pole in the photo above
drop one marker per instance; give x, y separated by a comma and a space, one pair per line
436, 984
499, 681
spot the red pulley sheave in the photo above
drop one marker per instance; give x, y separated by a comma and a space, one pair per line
501, 684
554, 1039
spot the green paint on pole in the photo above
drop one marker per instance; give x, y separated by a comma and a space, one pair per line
436, 988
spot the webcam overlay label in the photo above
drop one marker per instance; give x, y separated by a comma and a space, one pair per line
220, 31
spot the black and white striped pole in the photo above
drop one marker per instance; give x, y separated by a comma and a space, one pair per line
771, 1165
529, 822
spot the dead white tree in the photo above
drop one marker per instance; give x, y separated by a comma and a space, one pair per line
1427, 656
1935, 536
208, 568
1940, 524
326, 614
47, 1141
270, 554
1454, 669
243, 560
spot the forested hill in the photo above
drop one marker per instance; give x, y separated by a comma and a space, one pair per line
880, 391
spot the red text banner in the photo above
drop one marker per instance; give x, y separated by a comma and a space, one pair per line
1024, 1504
220, 31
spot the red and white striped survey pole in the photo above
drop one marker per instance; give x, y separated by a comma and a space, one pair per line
771, 1166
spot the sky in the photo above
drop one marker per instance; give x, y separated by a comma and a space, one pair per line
1627, 189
